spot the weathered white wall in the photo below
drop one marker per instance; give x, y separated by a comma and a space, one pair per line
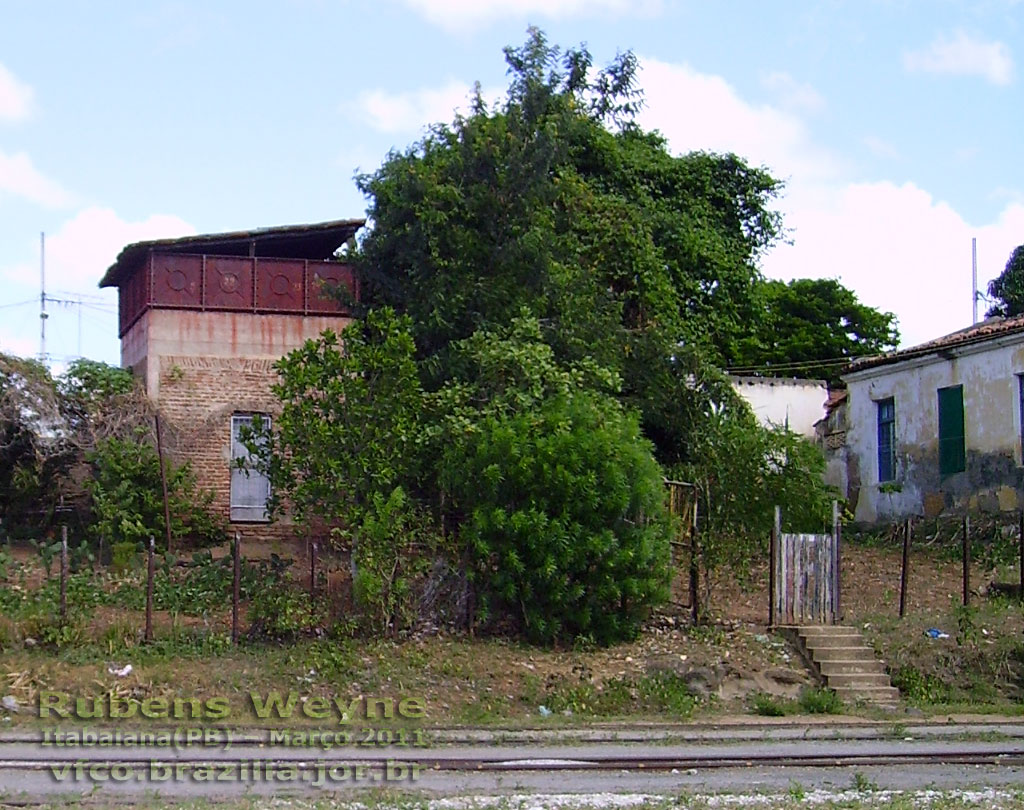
992, 480
182, 332
784, 400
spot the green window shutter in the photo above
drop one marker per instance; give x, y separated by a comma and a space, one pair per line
952, 452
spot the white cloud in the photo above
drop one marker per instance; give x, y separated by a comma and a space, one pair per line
462, 15
791, 94
19, 177
79, 253
880, 147
896, 246
963, 55
900, 250
15, 97
697, 111
412, 111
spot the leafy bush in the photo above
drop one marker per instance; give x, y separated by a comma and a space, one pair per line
282, 611
393, 544
820, 701
919, 687
767, 705
278, 608
565, 520
123, 555
127, 496
48, 551
350, 413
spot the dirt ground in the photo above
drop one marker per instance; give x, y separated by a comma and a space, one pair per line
493, 680
870, 585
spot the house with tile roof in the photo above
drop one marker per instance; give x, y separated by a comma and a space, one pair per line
938, 427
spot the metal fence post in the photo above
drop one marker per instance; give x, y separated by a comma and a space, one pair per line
772, 552
63, 573
236, 586
903, 570
967, 558
150, 570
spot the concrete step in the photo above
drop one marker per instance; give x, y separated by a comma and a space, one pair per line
837, 640
847, 665
842, 654
858, 680
829, 668
883, 695
827, 630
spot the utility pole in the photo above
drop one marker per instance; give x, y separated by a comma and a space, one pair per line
42, 297
974, 278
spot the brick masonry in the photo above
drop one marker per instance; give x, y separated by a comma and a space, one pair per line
197, 397
200, 368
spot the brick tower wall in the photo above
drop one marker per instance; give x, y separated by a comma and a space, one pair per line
203, 367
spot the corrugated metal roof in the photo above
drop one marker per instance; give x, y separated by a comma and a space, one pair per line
989, 329
317, 241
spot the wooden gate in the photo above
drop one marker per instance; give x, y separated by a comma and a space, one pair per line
682, 502
804, 579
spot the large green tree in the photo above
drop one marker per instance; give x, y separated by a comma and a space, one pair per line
812, 328
557, 202
1008, 288
566, 292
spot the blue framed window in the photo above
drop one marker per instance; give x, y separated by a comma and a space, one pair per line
1020, 411
886, 439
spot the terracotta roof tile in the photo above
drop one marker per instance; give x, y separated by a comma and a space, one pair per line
989, 329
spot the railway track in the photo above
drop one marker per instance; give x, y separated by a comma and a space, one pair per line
32, 772
432, 761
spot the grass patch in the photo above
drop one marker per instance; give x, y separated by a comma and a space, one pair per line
766, 705
664, 695
979, 667
820, 701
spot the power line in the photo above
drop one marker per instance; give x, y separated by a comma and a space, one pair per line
798, 364
19, 303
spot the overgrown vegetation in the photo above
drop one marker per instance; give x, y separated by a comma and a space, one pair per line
812, 700
981, 661
127, 497
80, 445
548, 296
195, 587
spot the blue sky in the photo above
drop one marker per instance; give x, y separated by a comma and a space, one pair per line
897, 126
